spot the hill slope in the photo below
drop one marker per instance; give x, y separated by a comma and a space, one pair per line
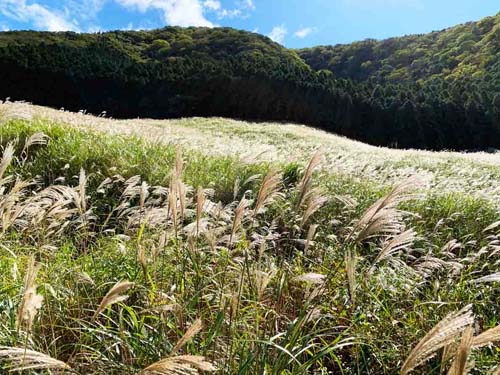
175, 72
473, 174
131, 255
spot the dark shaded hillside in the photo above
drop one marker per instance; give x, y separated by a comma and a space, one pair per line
174, 72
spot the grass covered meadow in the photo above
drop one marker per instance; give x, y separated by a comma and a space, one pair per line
128, 254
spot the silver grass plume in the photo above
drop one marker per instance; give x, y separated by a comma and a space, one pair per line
37, 138
313, 202
310, 237
31, 301
22, 359
200, 203
444, 333
239, 213
383, 217
8, 155
459, 365
268, 191
114, 295
350, 265
192, 331
487, 337
305, 183
179, 365
262, 280
402, 241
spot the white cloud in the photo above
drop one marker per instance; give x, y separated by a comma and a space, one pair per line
4, 27
278, 34
84, 9
229, 13
212, 4
303, 32
175, 12
38, 15
242, 9
247, 4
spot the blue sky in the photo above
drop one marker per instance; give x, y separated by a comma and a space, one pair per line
293, 23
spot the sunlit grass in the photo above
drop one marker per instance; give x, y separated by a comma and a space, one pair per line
272, 267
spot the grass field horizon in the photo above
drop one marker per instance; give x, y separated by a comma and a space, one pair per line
205, 245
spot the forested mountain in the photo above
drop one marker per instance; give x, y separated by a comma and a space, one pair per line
447, 79
464, 51
436, 91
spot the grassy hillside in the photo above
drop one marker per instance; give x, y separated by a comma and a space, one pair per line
175, 72
476, 174
125, 242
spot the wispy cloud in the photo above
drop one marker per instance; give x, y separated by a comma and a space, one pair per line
212, 4
175, 12
229, 13
38, 15
303, 32
278, 34
85, 10
242, 9
247, 4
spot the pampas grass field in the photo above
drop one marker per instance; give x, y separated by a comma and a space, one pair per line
199, 246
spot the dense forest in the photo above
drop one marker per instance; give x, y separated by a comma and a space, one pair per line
435, 91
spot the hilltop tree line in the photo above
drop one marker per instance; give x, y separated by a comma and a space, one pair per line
178, 72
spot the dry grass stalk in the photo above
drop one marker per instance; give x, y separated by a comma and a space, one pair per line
350, 265
8, 155
12, 206
239, 214
305, 183
179, 365
494, 277
31, 301
81, 199
494, 371
114, 295
313, 201
491, 227
22, 359
310, 237
311, 277
443, 334
200, 203
262, 280
177, 191
487, 337
141, 258
236, 188
172, 205
268, 191
449, 352
38, 138
402, 241
459, 365
144, 194
192, 331
383, 217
